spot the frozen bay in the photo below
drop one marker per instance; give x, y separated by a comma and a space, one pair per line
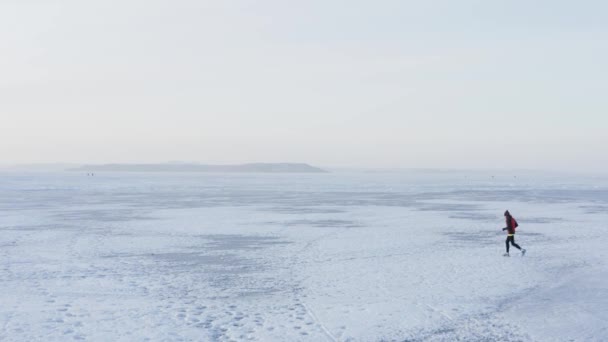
343, 256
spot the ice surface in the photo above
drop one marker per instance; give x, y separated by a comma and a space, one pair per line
323, 257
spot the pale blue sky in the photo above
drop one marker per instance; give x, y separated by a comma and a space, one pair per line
451, 84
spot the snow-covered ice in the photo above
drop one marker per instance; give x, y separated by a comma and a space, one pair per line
407, 256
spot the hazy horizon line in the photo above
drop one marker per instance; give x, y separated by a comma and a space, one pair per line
32, 166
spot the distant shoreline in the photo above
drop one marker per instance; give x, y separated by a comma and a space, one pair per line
241, 168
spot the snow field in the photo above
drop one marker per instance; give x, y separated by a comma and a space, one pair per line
136, 257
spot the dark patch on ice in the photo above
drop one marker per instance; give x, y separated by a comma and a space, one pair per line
480, 328
528, 233
474, 216
266, 288
461, 207
240, 242
40, 227
230, 264
594, 209
189, 258
485, 237
329, 223
102, 215
303, 210
231, 274
179, 257
524, 220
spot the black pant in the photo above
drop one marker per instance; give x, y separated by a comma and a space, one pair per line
512, 240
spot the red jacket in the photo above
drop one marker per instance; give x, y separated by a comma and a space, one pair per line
511, 224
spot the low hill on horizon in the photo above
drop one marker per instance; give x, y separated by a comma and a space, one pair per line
172, 167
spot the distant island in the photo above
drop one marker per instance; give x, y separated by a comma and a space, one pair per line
172, 167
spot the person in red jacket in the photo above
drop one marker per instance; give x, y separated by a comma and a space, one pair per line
510, 228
